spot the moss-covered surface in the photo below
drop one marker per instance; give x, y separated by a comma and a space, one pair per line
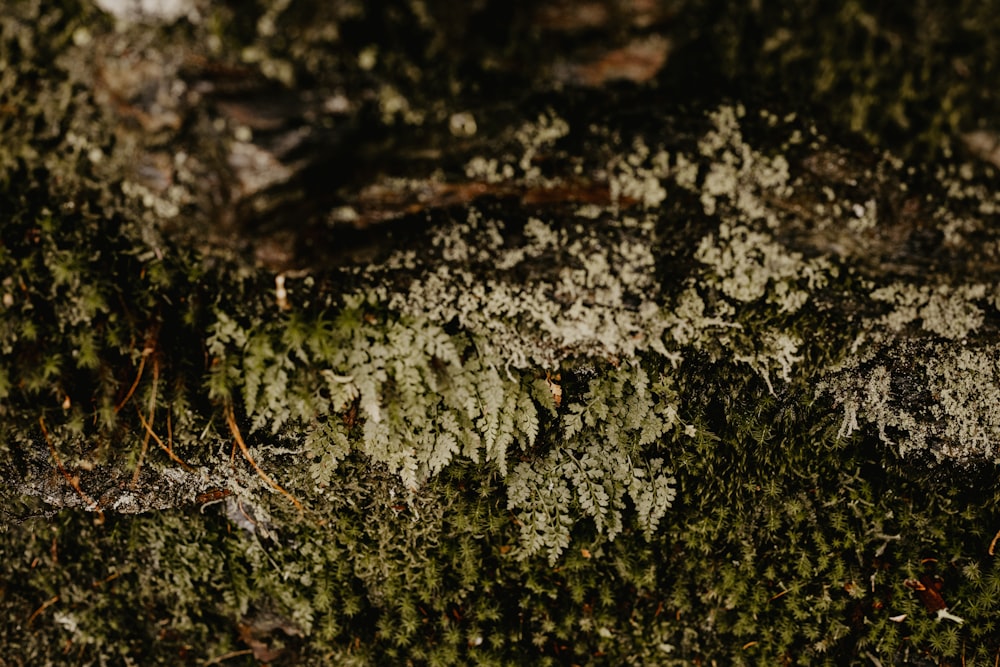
321, 351
779, 548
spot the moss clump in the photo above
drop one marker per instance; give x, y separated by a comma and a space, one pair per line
582, 403
783, 544
914, 78
696, 502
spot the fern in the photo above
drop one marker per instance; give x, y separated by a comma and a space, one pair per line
488, 406
326, 445
265, 383
653, 491
421, 395
541, 496
526, 414
597, 494
224, 343
600, 464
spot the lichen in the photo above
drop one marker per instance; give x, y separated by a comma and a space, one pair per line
925, 399
602, 299
637, 175
529, 139
948, 312
737, 172
750, 265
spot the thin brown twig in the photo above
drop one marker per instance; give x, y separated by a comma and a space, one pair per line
231, 421
107, 579
170, 431
73, 481
138, 376
164, 447
152, 413
45, 605
993, 545
226, 656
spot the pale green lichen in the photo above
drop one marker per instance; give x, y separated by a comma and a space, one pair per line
956, 418
601, 300
949, 312
396, 107
773, 351
689, 324
742, 260
638, 175
906, 376
489, 170
738, 173
531, 138
535, 136
966, 386
864, 218
750, 265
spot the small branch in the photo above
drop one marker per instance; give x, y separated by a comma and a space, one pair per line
167, 448
138, 376
993, 544
231, 421
70, 479
45, 605
112, 577
152, 413
150, 433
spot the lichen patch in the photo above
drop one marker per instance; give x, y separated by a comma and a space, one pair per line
956, 416
601, 299
949, 312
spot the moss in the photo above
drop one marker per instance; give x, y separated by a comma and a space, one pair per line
630, 407
911, 78
798, 548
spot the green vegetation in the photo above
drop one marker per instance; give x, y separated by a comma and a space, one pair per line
779, 546
696, 502
646, 402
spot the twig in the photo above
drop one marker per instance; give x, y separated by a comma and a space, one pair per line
226, 656
152, 412
73, 481
231, 420
45, 605
138, 376
993, 544
169, 450
170, 431
169, 447
107, 579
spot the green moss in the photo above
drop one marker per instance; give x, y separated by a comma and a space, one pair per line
588, 434
914, 78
